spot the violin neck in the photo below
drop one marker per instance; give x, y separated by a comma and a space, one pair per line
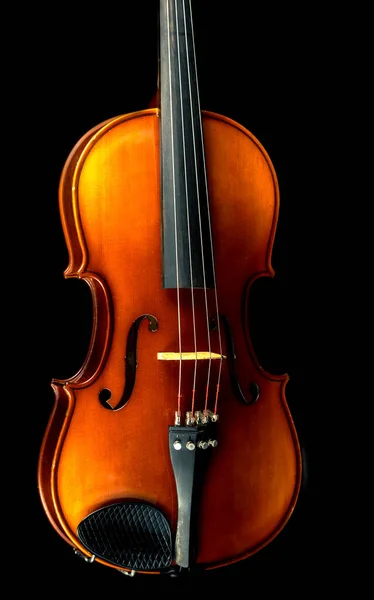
186, 232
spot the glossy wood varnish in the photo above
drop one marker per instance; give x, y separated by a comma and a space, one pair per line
91, 456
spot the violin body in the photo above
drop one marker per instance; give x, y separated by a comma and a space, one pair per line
107, 443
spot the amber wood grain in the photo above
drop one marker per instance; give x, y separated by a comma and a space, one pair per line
91, 456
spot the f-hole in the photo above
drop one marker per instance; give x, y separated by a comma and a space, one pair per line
254, 389
130, 363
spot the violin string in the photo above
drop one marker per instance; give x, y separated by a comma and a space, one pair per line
210, 236
198, 198
187, 205
175, 215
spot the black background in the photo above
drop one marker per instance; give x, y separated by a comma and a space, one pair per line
270, 72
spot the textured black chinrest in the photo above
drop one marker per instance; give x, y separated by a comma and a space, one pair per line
132, 535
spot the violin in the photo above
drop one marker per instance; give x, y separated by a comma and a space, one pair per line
171, 449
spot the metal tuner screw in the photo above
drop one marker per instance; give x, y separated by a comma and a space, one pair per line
177, 444
213, 443
190, 445
203, 444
